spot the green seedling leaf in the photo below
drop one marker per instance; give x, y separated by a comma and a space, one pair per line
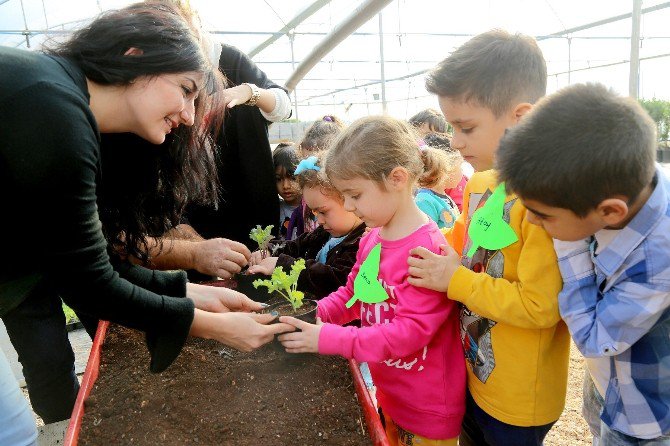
366, 286
262, 236
487, 227
285, 284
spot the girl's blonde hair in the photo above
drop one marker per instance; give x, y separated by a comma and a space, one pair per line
372, 147
318, 179
438, 164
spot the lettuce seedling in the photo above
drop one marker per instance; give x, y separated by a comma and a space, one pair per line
285, 284
262, 237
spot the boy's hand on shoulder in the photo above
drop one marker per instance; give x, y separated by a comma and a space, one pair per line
430, 270
304, 341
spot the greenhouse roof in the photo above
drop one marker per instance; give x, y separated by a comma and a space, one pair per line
581, 40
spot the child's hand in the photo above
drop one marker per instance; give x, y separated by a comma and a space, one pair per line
430, 270
305, 341
255, 258
265, 266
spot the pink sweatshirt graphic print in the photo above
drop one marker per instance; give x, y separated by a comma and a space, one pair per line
410, 341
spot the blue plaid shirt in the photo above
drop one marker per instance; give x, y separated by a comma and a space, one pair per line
617, 307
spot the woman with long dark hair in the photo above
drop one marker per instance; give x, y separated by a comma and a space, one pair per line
142, 69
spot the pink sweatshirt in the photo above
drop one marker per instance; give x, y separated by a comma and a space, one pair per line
410, 341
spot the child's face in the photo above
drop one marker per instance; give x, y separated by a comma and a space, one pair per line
368, 200
563, 224
477, 131
287, 186
330, 213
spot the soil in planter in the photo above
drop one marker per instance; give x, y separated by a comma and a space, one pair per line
307, 312
214, 395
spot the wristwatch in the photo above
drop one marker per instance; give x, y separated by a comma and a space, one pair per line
255, 94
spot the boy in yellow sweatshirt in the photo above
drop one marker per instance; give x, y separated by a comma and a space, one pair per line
502, 269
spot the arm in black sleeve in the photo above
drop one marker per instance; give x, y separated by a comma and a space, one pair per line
170, 283
55, 172
239, 68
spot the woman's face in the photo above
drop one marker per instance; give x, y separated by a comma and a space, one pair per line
158, 104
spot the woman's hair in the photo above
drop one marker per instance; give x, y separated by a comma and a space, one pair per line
286, 157
318, 179
371, 148
320, 134
438, 164
434, 119
166, 178
144, 189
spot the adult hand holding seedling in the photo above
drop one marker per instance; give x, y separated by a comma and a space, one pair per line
430, 270
220, 299
304, 341
220, 257
241, 331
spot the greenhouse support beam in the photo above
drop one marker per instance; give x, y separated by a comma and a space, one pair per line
634, 75
297, 20
381, 65
603, 22
357, 18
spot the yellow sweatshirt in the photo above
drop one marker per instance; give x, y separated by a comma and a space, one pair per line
516, 345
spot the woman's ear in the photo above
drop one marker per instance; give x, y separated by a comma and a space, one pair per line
612, 211
132, 51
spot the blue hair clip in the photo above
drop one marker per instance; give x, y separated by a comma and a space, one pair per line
307, 164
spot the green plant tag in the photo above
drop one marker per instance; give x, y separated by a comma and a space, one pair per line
487, 227
366, 286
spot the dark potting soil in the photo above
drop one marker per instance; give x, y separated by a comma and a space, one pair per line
214, 395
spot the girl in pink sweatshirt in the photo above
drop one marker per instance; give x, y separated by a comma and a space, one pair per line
408, 335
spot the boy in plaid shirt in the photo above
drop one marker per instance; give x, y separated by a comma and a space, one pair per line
583, 165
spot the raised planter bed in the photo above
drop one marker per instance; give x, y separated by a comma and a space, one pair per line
215, 395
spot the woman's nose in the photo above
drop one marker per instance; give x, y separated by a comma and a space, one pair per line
187, 115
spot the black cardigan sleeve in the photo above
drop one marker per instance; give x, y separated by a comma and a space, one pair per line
239, 68
51, 148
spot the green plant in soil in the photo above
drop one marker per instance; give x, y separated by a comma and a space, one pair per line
285, 284
262, 236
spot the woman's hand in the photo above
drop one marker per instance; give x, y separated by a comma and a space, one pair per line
430, 270
220, 257
236, 95
305, 341
220, 299
241, 331
265, 266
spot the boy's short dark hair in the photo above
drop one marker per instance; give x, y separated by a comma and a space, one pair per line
434, 119
496, 69
579, 147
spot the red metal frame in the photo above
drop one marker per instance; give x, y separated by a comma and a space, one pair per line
90, 375
375, 429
